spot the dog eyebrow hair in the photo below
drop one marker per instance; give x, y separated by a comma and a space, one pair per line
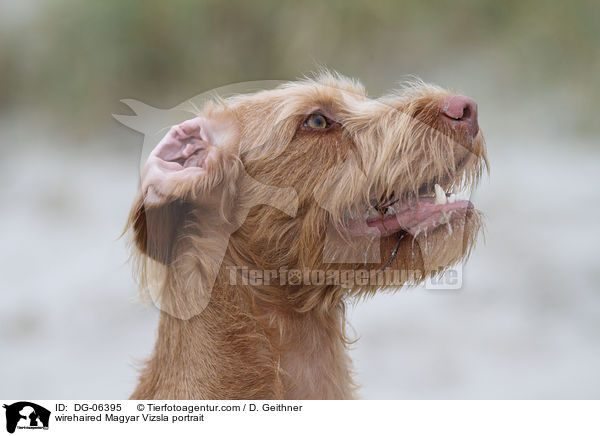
325, 108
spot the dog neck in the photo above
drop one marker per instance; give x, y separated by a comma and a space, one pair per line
240, 349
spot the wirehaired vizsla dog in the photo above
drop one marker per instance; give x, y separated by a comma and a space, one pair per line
260, 218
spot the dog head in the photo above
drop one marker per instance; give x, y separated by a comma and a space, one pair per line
312, 175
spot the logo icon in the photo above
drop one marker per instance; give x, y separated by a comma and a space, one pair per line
26, 415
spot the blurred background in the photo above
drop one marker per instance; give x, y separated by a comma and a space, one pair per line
526, 323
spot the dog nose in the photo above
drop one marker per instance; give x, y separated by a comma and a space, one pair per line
460, 108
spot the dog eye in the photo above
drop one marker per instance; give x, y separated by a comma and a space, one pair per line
317, 121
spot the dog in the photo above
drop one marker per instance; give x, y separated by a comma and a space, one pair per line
259, 219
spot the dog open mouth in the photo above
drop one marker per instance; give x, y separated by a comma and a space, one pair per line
414, 215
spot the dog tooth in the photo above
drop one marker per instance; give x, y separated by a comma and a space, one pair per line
440, 195
390, 211
372, 213
452, 198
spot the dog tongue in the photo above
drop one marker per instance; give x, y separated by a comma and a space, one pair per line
416, 216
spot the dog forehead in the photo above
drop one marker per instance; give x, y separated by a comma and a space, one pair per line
327, 93
325, 85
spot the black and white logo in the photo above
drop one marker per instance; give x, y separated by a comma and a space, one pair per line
26, 415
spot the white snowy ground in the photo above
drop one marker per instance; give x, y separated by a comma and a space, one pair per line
526, 323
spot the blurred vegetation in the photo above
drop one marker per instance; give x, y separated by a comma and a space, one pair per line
74, 60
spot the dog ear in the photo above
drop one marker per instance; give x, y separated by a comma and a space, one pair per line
155, 228
194, 194
181, 174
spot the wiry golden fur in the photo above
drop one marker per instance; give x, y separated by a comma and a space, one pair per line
273, 341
